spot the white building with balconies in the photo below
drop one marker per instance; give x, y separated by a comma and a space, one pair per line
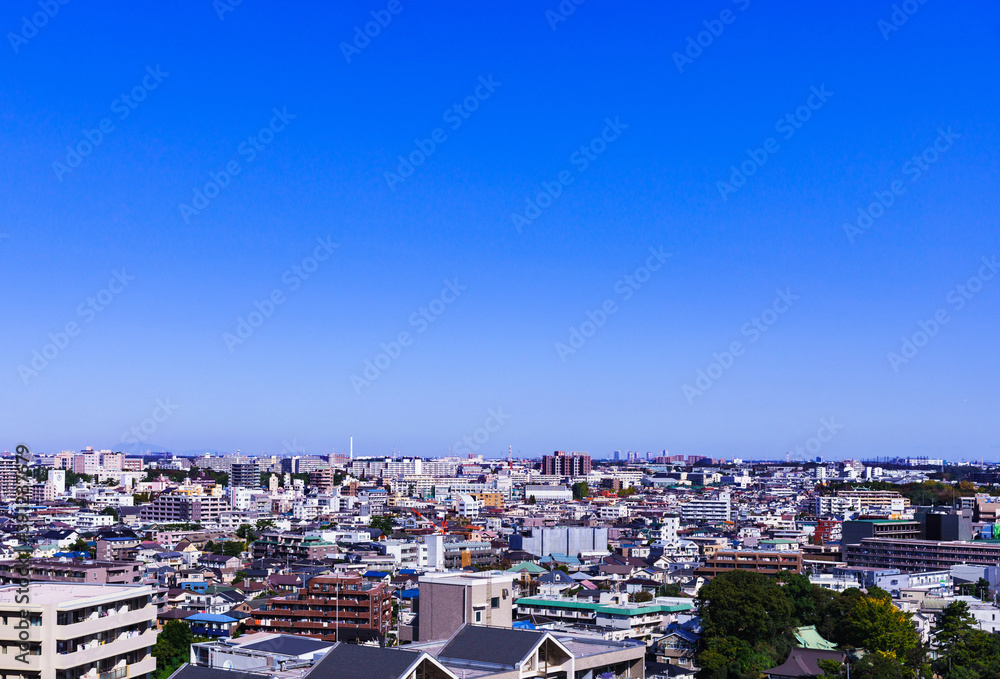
53, 630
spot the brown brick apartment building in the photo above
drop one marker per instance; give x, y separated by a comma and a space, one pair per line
768, 562
328, 604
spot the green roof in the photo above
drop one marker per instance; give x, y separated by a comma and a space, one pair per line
526, 567
808, 637
610, 609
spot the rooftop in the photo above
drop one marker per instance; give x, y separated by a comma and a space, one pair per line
69, 594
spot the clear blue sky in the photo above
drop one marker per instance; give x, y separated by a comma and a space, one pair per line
494, 345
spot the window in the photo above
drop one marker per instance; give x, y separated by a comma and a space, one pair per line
479, 616
495, 602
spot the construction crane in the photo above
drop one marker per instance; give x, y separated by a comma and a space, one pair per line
444, 523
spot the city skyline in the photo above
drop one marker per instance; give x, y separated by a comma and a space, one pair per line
710, 228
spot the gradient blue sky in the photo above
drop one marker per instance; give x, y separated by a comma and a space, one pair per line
494, 347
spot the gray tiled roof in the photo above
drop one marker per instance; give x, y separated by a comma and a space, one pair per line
497, 645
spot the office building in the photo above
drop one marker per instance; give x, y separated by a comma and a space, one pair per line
920, 555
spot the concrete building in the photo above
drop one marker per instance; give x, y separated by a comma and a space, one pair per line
178, 508
768, 562
561, 464
570, 540
244, 475
448, 601
707, 510
920, 555
78, 631
853, 532
468, 507
329, 606
72, 571
548, 493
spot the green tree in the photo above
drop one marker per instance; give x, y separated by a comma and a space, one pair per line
641, 595
745, 605
264, 524
239, 576
245, 533
109, 511
732, 658
580, 490
172, 648
232, 548
383, 523
876, 625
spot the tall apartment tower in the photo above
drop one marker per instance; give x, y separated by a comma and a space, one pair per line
561, 464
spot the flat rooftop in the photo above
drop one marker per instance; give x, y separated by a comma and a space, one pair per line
66, 593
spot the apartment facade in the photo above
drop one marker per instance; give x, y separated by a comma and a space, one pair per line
180, 508
705, 510
72, 571
562, 464
288, 546
768, 562
77, 632
920, 555
329, 604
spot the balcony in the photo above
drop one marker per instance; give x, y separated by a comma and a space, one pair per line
100, 651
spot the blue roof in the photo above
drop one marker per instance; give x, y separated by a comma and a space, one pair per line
73, 555
407, 571
412, 593
524, 624
209, 617
376, 574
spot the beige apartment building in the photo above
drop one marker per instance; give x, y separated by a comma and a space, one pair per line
76, 631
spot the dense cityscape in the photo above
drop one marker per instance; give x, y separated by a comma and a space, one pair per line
382, 339
634, 565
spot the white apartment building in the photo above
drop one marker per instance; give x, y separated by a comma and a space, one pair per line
468, 507
77, 631
707, 510
835, 506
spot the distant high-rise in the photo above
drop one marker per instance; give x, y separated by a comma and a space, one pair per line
561, 464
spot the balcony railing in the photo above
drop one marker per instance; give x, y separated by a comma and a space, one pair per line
118, 673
